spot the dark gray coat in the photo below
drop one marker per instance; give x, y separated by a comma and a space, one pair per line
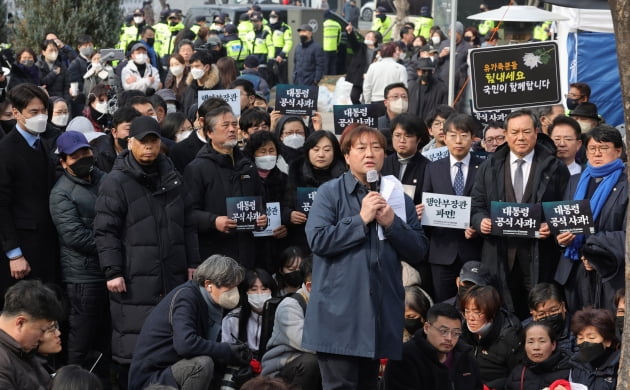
309, 64
144, 232
72, 202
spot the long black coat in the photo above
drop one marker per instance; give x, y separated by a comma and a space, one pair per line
420, 368
414, 173
144, 232
26, 178
605, 250
536, 376
548, 180
423, 99
211, 178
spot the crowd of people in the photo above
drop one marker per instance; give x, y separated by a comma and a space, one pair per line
126, 264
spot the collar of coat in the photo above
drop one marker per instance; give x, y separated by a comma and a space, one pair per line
210, 79
168, 177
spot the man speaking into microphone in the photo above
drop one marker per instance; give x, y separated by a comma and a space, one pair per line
359, 236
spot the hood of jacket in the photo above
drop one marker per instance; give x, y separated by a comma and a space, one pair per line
211, 79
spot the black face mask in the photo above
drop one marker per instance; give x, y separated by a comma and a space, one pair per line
150, 41
303, 38
467, 38
123, 142
619, 323
425, 78
413, 324
293, 279
587, 352
381, 17
173, 24
8, 125
461, 290
555, 322
83, 167
571, 103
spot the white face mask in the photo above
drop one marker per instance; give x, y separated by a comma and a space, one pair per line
138, 19
435, 40
257, 301
273, 20
37, 124
177, 70
398, 106
294, 141
101, 107
368, 42
140, 58
485, 328
585, 126
197, 73
52, 57
60, 120
170, 108
229, 299
179, 137
266, 163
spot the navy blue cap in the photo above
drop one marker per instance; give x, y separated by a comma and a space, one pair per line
71, 141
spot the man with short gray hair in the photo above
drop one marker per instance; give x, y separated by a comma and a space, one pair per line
178, 343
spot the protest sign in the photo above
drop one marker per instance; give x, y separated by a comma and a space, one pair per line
357, 113
296, 99
515, 219
304, 199
449, 211
569, 216
231, 96
273, 220
245, 210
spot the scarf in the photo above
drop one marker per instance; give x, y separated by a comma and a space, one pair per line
610, 174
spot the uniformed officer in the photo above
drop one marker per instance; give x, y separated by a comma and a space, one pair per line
330, 43
259, 40
382, 24
282, 38
132, 32
234, 46
424, 23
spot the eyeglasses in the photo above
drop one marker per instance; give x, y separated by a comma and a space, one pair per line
563, 139
53, 328
598, 149
396, 97
497, 139
473, 314
437, 123
444, 331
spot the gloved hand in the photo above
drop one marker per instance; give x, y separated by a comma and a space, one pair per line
241, 355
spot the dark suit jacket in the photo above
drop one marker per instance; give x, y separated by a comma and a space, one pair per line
447, 244
184, 152
26, 178
414, 174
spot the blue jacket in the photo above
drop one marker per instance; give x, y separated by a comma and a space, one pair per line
176, 329
309, 64
356, 306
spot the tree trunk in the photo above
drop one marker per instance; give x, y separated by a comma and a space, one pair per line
402, 10
620, 10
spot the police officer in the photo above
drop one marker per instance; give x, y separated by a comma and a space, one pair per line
162, 34
282, 38
330, 43
541, 31
234, 46
218, 24
245, 26
382, 24
485, 25
259, 40
200, 21
424, 23
132, 32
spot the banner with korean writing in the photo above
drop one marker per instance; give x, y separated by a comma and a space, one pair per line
356, 113
231, 96
515, 219
273, 220
449, 211
436, 153
514, 76
304, 199
572, 216
296, 99
245, 210
484, 117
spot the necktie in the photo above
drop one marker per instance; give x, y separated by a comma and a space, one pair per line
37, 145
458, 184
518, 180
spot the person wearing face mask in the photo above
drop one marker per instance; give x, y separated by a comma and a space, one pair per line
282, 38
72, 201
204, 75
288, 275
382, 24
60, 113
436, 36
473, 273
544, 364
363, 56
132, 32
548, 307
494, 334
310, 63
26, 178
586, 116
7, 121
417, 303
139, 74
177, 75
97, 110
471, 35
578, 93
180, 335
52, 70
144, 251
330, 42
175, 127
598, 349
292, 132
220, 170
148, 39
77, 69
106, 148
243, 324
396, 103
24, 70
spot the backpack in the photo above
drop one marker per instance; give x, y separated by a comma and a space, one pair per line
269, 317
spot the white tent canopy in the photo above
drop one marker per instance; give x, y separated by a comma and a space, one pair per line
518, 13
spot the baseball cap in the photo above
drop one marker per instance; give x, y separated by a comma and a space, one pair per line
138, 46
143, 126
71, 141
474, 272
305, 27
251, 61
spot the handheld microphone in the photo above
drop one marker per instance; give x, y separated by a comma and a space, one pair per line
373, 180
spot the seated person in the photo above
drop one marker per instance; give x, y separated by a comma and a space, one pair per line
285, 357
30, 312
417, 302
548, 306
180, 335
436, 357
473, 273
